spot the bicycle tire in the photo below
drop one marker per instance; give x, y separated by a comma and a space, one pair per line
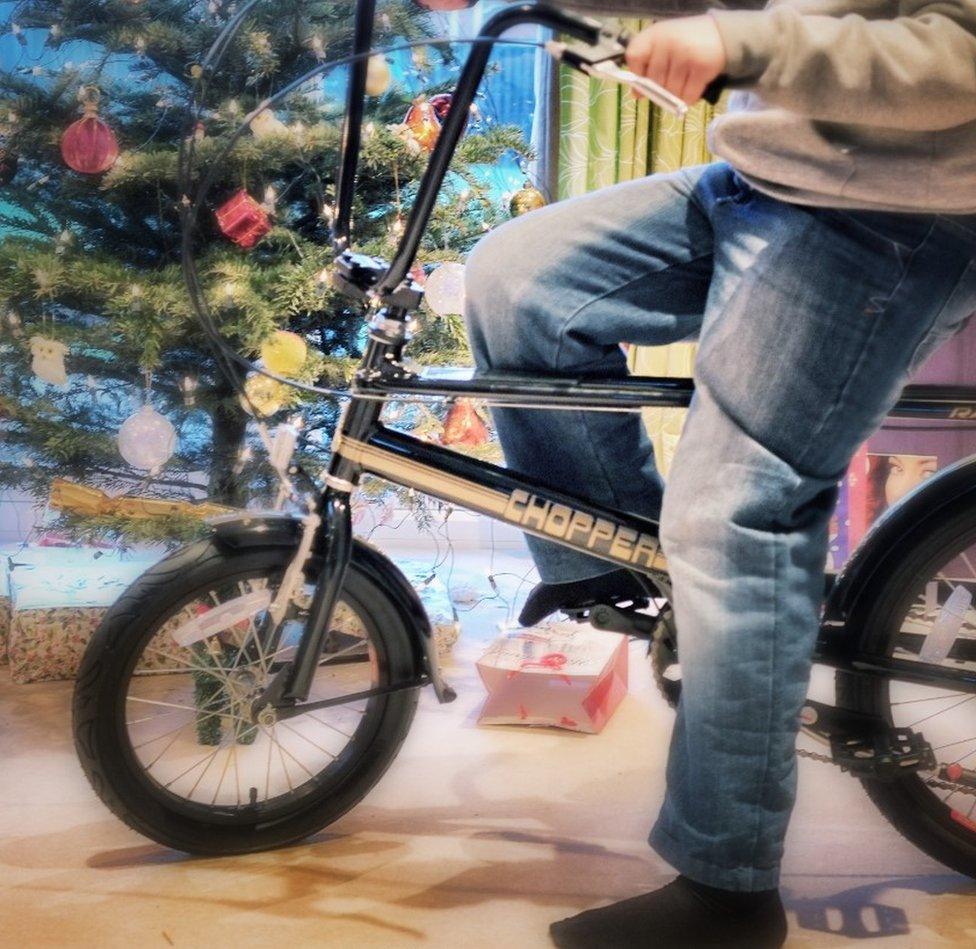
908, 803
110, 763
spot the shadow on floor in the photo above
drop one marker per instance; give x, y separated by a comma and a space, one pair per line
861, 913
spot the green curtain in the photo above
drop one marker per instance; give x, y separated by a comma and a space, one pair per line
607, 136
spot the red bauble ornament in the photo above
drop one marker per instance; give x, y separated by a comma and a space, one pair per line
89, 146
441, 104
463, 426
243, 220
422, 121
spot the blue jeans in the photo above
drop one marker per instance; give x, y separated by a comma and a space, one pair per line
810, 321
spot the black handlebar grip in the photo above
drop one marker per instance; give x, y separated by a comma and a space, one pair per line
715, 88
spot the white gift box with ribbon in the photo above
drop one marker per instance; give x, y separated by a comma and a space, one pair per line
564, 675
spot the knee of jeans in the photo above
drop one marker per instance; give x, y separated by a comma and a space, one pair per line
488, 274
502, 276
725, 487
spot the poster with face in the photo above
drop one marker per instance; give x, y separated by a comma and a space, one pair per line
905, 453
891, 477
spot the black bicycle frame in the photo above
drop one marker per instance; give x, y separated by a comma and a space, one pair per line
364, 446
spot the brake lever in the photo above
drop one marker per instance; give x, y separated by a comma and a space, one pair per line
603, 61
643, 86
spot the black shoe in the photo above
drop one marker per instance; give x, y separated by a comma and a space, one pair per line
682, 915
618, 586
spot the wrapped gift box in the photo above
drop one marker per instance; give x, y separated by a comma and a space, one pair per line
58, 597
564, 675
4, 622
55, 609
19, 556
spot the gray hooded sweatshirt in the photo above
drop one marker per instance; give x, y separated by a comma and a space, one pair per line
844, 103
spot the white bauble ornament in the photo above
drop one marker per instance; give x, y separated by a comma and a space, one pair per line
48, 360
444, 290
147, 439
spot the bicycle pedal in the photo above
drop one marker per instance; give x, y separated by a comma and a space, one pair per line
885, 756
865, 745
612, 619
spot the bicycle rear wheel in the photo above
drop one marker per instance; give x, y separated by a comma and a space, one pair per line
931, 810
161, 704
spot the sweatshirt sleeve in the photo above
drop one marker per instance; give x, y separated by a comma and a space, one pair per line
914, 72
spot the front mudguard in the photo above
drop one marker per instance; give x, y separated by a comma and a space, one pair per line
243, 531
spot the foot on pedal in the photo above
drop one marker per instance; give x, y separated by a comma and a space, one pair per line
619, 586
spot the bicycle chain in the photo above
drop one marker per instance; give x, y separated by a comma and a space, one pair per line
660, 663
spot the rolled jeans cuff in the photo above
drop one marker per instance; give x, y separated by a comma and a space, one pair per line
742, 879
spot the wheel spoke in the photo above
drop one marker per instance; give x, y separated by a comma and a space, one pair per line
932, 698
194, 735
306, 738
189, 708
942, 711
207, 758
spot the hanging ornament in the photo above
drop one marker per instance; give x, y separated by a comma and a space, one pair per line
264, 396
8, 165
63, 242
189, 387
378, 76
243, 220
423, 123
444, 290
441, 104
147, 439
284, 353
89, 146
421, 59
47, 360
527, 198
266, 123
464, 426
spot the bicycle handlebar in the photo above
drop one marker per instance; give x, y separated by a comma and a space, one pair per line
601, 55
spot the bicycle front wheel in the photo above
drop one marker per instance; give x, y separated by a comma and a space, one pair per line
161, 703
935, 810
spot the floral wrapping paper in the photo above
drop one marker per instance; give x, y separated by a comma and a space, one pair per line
4, 628
47, 643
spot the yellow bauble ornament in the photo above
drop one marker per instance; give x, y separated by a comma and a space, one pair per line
264, 396
377, 76
526, 199
284, 353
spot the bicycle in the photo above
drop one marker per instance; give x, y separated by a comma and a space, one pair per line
253, 634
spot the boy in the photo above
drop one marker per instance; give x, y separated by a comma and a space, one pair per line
819, 262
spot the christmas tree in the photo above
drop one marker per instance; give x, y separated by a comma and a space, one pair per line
96, 320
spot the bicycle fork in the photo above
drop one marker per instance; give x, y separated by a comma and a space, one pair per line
331, 545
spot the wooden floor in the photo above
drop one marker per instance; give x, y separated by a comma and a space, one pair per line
476, 837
